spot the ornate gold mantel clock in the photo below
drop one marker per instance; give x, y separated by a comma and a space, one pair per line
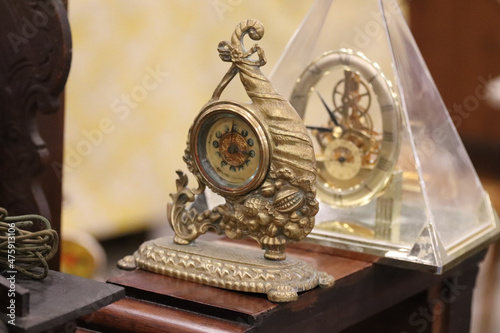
259, 157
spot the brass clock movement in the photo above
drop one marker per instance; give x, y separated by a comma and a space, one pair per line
358, 143
260, 158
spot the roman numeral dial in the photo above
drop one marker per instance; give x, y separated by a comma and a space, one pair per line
354, 118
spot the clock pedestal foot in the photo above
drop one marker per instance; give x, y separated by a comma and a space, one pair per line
234, 267
274, 255
274, 251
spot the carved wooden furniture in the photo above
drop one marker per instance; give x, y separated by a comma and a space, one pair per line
35, 57
367, 297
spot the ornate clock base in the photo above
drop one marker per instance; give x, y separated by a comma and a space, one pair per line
229, 268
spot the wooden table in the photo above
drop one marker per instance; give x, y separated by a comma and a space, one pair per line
367, 297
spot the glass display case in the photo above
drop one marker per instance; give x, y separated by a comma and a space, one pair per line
394, 178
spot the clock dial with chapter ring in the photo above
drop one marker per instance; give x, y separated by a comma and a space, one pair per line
358, 142
342, 160
230, 148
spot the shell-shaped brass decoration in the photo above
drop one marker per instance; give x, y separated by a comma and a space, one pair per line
275, 205
281, 209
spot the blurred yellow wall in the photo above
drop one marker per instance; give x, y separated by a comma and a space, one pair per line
141, 71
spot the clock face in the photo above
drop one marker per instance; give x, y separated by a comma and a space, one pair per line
230, 149
357, 126
342, 161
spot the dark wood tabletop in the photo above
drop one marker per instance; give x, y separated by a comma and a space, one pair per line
367, 297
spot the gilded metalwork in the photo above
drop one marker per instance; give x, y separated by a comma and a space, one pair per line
258, 156
240, 269
189, 224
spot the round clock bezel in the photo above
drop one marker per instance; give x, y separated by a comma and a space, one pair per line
390, 111
207, 117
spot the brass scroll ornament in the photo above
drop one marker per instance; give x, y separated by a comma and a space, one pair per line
281, 210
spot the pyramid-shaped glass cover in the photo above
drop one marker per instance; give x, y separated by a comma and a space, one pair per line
394, 178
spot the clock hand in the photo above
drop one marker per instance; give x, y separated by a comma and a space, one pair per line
330, 112
232, 132
319, 129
